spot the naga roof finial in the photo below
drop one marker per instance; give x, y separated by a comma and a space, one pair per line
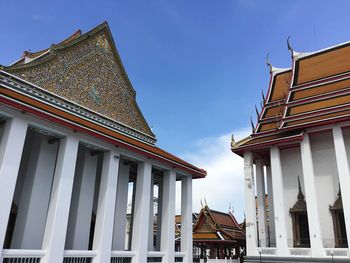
263, 96
257, 112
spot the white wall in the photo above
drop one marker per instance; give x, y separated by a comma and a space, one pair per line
291, 169
326, 179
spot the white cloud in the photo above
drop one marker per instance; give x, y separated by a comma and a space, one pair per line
224, 182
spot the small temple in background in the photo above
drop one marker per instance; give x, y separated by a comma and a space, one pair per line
298, 154
216, 235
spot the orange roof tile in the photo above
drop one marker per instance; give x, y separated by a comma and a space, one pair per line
315, 92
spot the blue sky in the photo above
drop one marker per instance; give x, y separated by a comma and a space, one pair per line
198, 66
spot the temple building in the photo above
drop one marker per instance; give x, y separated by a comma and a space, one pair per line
216, 235
74, 146
298, 154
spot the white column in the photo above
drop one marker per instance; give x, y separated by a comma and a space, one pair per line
343, 173
278, 201
11, 149
159, 211
250, 208
167, 243
105, 209
132, 215
140, 228
272, 233
79, 223
57, 218
311, 198
121, 208
260, 187
151, 215
186, 218
35, 194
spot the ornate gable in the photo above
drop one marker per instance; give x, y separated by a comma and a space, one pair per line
86, 69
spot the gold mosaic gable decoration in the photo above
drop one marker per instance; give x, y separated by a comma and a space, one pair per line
86, 69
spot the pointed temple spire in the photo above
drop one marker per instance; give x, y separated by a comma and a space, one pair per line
339, 191
300, 194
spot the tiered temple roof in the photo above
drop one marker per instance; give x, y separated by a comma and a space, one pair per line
80, 83
86, 69
214, 226
314, 91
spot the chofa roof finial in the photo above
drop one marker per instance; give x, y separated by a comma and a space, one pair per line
263, 96
290, 48
268, 63
252, 124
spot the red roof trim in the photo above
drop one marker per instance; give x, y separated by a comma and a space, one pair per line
95, 134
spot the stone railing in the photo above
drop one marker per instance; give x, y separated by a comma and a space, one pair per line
22, 256
122, 256
78, 256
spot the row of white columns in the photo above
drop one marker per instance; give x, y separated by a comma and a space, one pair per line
277, 220
112, 187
